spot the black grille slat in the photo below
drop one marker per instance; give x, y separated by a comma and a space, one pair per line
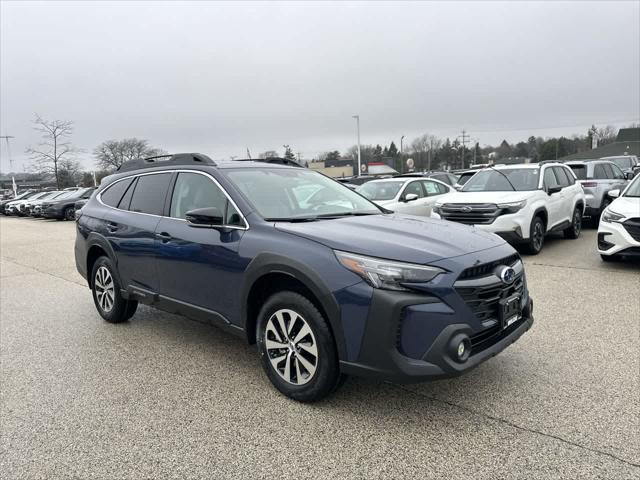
632, 226
486, 268
483, 301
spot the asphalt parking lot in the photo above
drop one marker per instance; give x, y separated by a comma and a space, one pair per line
165, 397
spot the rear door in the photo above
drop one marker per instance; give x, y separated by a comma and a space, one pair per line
619, 178
130, 228
433, 191
200, 267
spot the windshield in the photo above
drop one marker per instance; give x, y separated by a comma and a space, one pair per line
39, 195
634, 188
580, 171
297, 194
503, 180
380, 190
623, 163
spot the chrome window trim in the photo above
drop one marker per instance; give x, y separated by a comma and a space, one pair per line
215, 182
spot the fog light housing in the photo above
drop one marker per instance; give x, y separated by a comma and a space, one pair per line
460, 348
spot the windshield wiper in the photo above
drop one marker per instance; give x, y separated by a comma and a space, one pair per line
496, 170
346, 214
324, 216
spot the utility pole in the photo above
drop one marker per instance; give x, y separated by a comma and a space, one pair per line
248, 154
464, 137
357, 117
7, 137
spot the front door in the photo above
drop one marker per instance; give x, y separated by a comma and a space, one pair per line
197, 266
555, 203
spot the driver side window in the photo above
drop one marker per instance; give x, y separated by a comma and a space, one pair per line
550, 180
193, 191
415, 188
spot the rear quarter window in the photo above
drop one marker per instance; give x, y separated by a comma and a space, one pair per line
580, 171
111, 195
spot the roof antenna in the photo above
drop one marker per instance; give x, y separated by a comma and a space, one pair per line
248, 154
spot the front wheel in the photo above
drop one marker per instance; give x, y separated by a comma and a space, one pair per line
573, 231
296, 348
536, 236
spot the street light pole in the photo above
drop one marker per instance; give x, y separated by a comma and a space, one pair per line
357, 117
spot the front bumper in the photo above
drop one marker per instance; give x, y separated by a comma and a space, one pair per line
409, 337
513, 227
53, 212
613, 238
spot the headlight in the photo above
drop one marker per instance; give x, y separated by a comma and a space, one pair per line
512, 207
608, 216
386, 274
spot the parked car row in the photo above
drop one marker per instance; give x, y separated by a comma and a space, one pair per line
58, 204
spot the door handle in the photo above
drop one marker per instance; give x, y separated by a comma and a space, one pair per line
164, 237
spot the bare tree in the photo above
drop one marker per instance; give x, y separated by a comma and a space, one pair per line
423, 149
111, 154
69, 172
55, 146
607, 134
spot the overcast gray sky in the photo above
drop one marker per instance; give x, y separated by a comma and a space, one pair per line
218, 78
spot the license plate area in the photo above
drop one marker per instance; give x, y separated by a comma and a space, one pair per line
509, 311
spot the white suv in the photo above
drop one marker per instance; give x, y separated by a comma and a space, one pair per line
521, 203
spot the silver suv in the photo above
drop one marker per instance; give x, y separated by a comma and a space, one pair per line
629, 164
598, 178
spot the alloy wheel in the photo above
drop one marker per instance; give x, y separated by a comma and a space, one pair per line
577, 222
291, 347
70, 213
538, 236
105, 289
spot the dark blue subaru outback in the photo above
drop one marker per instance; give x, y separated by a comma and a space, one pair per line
325, 282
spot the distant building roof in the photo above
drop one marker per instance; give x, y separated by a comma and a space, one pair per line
627, 143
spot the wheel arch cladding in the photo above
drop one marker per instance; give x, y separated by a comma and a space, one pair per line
542, 213
98, 247
270, 273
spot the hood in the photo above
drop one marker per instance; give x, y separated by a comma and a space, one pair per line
485, 197
404, 238
627, 206
384, 203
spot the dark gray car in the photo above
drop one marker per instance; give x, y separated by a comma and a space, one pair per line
598, 178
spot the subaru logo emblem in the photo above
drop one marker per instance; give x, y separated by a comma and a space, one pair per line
466, 209
507, 275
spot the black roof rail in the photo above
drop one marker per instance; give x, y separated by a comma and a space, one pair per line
278, 160
167, 160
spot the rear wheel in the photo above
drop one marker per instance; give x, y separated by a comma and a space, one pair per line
573, 231
296, 348
536, 236
106, 293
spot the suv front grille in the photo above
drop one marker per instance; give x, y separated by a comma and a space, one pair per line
633, 227
469, 213
486, 268
483, 299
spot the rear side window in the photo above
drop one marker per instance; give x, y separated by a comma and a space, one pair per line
432, 188
112, 195
150, 193
599, 171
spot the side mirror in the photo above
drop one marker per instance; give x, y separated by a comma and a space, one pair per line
204, 217
553, 190
629, 175
410, 197
614, 193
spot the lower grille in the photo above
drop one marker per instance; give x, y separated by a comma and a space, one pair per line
485, 339
633, 227
469, 213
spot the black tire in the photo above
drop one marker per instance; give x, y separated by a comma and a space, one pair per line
327, 377
70, 213
573, 230
120, 310
536, 236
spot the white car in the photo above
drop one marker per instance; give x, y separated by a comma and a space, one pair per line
410, 195
521, 203
619, 229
